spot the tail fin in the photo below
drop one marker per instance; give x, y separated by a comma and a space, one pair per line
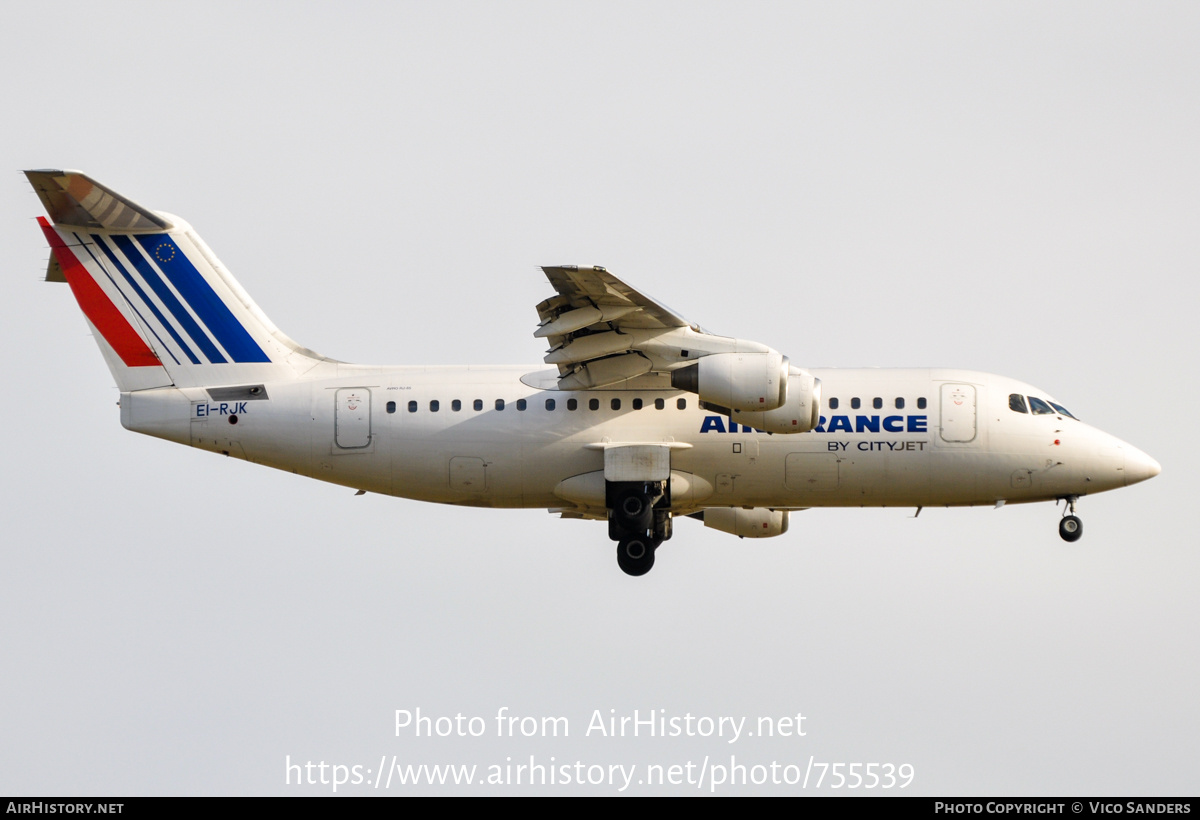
161, 306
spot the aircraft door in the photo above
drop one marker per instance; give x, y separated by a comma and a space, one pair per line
352, 418
958, 413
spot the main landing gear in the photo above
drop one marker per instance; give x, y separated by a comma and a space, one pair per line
639, 520
635, 556
1070, 528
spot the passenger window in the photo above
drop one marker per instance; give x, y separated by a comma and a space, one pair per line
572, 404
637, 404
499, 404
899, 403
877, 403
593, 404
833, 404
412, 407
434, 406
659, 404
456, 405
855, 403
1016, 403
681, 404
1039, 407
615, 404
921, 403
478, 404
391, 407
520, 404
549, 404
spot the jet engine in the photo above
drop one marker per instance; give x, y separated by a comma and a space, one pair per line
799, 414
741, 381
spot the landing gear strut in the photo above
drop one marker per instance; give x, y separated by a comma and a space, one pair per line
1070, 528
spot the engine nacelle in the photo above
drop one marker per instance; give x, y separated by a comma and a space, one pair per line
799, 414
741, 381
758, 522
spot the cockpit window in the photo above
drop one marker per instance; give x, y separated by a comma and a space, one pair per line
1040, 408
1063, 410
1016, 403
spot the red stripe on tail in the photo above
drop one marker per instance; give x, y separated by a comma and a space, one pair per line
96, 305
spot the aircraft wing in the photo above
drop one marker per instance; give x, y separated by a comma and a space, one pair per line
601, 331
582, 288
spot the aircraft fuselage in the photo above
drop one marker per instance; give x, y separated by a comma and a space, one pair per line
483, 437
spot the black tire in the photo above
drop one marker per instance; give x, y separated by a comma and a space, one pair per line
635, 556
1070, 528
634, 513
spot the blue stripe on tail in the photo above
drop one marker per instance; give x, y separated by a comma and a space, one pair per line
150, 275
112, 257
200, 296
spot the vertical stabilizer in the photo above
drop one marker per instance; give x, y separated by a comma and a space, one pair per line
162, 307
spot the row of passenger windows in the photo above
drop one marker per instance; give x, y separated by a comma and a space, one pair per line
1039, 407
572, 404
877, 403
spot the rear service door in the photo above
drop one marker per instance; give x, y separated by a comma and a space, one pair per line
352, 421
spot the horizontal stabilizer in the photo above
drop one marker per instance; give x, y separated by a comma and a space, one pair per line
75, 199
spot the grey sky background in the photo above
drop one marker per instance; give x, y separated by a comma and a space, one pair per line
1010, 187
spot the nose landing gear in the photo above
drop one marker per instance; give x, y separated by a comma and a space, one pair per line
1070, 528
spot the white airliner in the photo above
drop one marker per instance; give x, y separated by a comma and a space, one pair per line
641, 416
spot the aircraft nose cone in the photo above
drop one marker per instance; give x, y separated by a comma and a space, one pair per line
1139, 466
